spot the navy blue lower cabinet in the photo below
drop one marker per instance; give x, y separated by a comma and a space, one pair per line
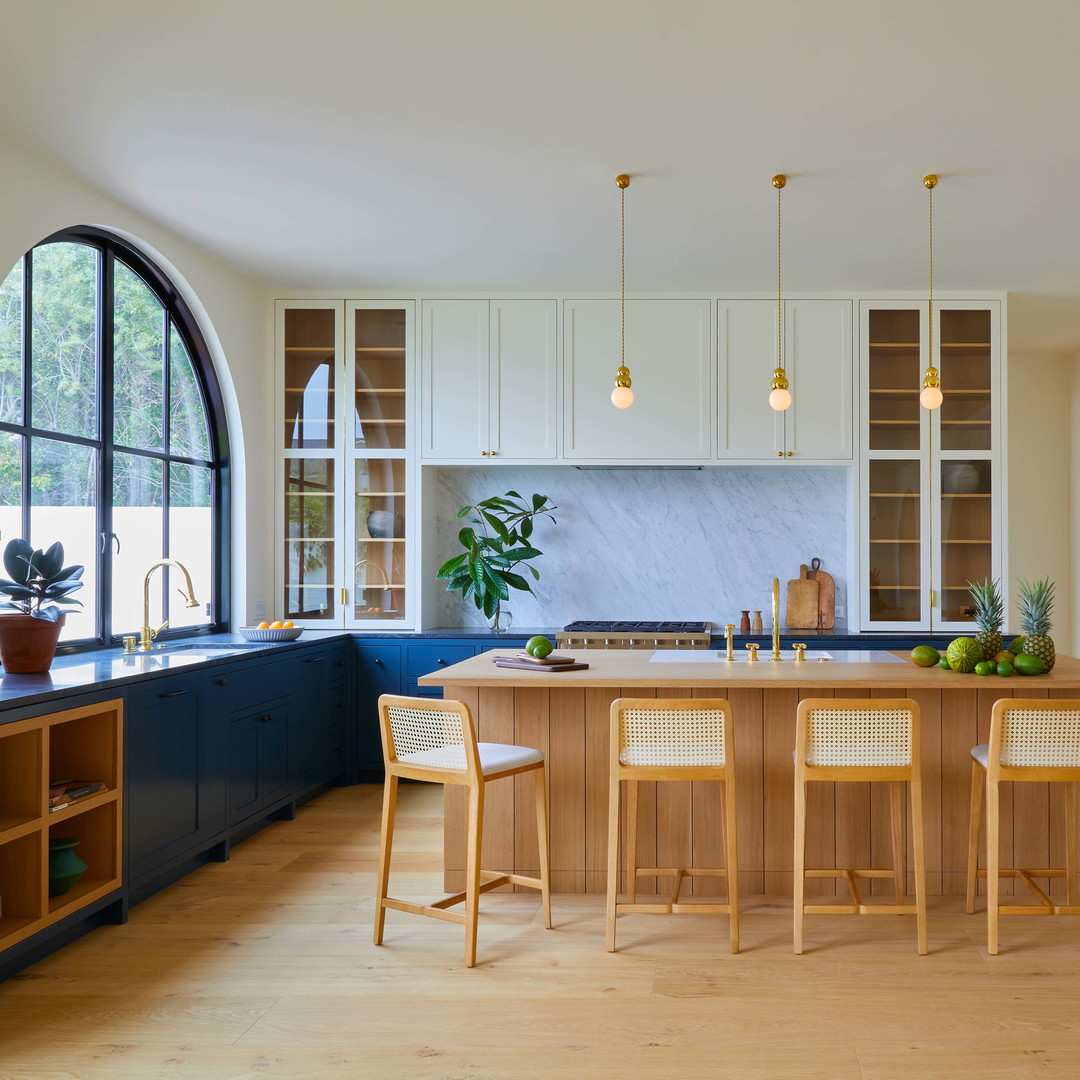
378, 671
175, 787
258, 761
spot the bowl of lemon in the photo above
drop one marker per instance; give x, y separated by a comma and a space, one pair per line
271, 631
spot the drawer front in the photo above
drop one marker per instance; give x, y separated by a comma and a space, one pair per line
248, 685
425, 659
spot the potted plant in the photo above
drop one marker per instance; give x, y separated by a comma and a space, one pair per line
38, 588
484, 571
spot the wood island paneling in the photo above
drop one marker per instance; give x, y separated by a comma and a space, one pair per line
566, 714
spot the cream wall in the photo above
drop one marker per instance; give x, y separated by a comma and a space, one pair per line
40, 198
1042, 451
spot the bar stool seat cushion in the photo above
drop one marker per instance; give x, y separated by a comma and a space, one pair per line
494, 757
981, 754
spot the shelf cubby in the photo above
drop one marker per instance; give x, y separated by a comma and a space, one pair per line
85, 743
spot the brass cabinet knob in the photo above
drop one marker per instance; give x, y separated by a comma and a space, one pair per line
779, 453
483, 453
790, 453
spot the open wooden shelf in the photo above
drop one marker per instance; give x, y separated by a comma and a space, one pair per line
74, 744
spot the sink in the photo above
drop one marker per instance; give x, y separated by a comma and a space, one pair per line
214, 646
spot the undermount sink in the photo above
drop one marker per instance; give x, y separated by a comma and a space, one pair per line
215, 646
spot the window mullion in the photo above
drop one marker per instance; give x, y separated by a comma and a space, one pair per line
105, 434
27, 347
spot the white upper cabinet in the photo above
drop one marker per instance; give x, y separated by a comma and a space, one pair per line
489, 380
817, 355
818, 361
669, 353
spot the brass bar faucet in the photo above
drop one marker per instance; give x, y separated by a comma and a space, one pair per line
775, 619
147, 635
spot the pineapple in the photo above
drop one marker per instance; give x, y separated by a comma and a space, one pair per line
1036, 603
989, 612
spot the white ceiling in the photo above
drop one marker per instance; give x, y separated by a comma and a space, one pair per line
338, 144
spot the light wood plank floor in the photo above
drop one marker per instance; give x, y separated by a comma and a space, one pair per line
263, 966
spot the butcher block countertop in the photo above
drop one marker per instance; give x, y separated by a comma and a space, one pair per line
873, 670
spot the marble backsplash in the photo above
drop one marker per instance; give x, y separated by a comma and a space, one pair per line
658, 544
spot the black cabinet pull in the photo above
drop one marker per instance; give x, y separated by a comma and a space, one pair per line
341, 704
440, 661
265, 719
340, 663
341, 749
173, 693
379, 662
314, 660
223, 682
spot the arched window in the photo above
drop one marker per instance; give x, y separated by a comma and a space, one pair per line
112, 434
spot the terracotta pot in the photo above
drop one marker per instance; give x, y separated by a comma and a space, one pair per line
27, 645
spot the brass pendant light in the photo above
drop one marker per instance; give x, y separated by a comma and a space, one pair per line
780, 396
931, 397
622, 397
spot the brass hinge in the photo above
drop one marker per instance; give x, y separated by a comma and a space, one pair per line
933, 598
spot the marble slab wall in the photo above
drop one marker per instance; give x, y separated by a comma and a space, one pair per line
658, 544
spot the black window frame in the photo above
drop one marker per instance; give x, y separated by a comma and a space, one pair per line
111, 248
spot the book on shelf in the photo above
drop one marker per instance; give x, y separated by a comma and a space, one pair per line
67, 791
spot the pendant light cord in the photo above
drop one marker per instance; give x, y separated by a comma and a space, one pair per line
779, 306
931, 357
622, 261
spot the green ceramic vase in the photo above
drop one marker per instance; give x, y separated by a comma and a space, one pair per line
65, 867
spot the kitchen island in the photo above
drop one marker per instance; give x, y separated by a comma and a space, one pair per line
566, 714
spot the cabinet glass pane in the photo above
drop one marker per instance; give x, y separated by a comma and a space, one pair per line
379, 409
966, 534
895, 549
309, 378
895, 380
965, 380
309, 538
379, 566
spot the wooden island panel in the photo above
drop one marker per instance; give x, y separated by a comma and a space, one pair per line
679, 824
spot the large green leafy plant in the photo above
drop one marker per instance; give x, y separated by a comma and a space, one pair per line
40, 583
496, 540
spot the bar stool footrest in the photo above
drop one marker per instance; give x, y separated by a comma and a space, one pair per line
860, 909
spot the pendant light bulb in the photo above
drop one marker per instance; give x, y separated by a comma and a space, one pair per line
780, 395
622, 397
931, 397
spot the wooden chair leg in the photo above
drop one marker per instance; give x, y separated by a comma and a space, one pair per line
896, 807
978, 782
799, 865
1070, 844
542, 841
631, 840
386, 841
919, 851
474, 841
731, 862
612, 861
993, 841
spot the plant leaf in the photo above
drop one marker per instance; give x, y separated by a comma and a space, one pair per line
515, 581
467, 538
526, 528
464, 511
47, 614
52, 561
448, 567
17, 559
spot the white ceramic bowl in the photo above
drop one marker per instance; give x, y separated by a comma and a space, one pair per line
253, 633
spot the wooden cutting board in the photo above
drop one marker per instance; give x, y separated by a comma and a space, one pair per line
802, 602
826, 595
509, 661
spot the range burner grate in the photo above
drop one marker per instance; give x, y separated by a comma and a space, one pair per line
597, 627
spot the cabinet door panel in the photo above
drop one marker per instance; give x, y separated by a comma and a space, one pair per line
748, 428
818, 357
522, 385
378, 671
669, 353
455, 374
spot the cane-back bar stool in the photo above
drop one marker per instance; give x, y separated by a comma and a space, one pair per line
435, 740
1030, 740
670, 739
859, 739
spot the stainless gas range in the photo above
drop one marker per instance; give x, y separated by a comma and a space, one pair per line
635, 635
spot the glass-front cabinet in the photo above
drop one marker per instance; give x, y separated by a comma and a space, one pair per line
345, 391
931, 515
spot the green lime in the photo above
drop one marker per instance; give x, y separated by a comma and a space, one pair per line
925, 655
985, 667
1005, 668
964, 653
1027, 664
943, 663
539, 647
